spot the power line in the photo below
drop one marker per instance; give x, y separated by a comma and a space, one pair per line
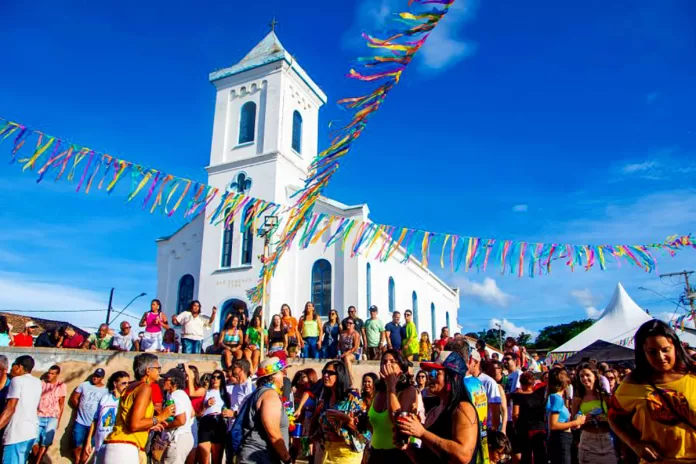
60, 311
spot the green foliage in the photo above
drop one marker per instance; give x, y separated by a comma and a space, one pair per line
553, 336
524, 339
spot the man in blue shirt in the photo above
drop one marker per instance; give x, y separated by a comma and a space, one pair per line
393, 331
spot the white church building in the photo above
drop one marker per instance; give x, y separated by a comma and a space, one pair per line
265, 135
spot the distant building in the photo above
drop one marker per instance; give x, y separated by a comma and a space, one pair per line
265, 134
18, 321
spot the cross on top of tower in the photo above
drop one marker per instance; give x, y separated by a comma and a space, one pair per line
273, 24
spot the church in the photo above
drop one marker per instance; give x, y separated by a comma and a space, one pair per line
265, 135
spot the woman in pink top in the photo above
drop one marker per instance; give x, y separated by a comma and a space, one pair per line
153, 321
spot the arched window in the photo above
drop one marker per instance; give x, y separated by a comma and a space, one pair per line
227, 240
234, 306
247, 122
414, 303
247, 242
368, 286
447, 321
321, 287
392, 296
297, 131
433, 321
185, 293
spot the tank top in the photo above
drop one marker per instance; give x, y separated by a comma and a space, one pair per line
151, 323
232, 338
276, 336
593, 408
120, 434
346, 342
256, 447
310, 328
4, 339
382, 429
254, 336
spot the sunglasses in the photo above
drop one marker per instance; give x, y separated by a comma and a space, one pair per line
507, 359
126, 327
218, 377
159, 368
611, 378
328, 372
350, 323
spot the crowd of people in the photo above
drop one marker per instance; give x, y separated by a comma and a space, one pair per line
458, 405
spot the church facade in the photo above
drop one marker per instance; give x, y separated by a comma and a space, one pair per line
265, 135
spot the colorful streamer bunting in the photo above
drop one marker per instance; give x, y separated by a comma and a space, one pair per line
166, 193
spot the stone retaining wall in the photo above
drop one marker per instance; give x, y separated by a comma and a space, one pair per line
77, 365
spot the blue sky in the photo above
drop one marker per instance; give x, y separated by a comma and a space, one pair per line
543, 121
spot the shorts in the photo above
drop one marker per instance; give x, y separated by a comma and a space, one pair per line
373, 353
47, 431
119, 453
212, 429
79, 435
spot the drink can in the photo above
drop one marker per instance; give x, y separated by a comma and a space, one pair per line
400, 440
297, 433
166, 405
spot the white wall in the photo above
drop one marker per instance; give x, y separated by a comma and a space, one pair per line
176, 257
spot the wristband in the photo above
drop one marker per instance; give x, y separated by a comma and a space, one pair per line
155, 421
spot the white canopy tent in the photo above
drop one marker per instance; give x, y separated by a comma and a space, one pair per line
617, 324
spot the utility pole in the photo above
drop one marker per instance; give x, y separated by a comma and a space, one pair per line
108, 310
689, 294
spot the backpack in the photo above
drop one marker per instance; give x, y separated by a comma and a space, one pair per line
235, 433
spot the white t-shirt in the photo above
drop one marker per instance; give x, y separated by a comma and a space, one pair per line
239, 393
181, 403
24, 423
193, 327
105, 418
124, 342
217, 407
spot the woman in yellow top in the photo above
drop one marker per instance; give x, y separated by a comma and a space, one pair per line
410, 345
426, 348
310, 329
136, 415
654, 409
590, 400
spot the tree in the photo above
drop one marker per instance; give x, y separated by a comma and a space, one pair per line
553, 336
524, 339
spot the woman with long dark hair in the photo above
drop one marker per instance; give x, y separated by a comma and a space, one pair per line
451, 430
290, 326
212, 429
277, 336
558, 418
528, 416
230, 341
338, 417
6, 337
369, 389
196, 392
310, 330
590, 400
395, 394
330, 338
654, 408
255, 336
154, 322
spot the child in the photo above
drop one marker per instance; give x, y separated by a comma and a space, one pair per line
426, 348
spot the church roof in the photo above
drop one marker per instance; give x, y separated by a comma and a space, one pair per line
269, 50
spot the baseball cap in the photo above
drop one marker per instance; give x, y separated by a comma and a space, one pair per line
476, 355
30, 324
447, 360
373, 308
99, 373
175, 373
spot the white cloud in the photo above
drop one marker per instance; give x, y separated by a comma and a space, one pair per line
510, 328
520, 208
592, 312
444, 46
584, 297
487, 291
23, 295
639, 167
